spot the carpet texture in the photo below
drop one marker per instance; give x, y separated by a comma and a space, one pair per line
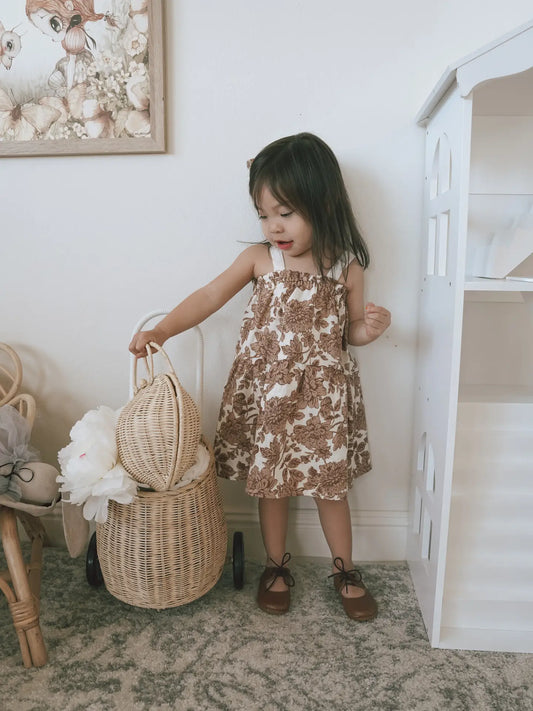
221, 652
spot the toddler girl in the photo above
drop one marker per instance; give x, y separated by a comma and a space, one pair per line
292, 419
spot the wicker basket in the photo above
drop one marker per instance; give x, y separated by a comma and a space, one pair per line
158, 431
165, 548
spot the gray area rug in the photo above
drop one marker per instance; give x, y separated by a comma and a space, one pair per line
222, 652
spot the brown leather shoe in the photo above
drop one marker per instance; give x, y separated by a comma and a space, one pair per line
272, 601
357, 608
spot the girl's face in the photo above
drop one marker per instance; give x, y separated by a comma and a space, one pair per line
283, 227
49, 23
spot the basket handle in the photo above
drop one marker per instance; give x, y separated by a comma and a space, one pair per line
149, 363
199, 397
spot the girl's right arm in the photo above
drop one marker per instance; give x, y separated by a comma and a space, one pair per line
202, 303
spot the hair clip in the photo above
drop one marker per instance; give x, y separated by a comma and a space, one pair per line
249, 163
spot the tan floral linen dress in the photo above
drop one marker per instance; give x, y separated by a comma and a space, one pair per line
292, 419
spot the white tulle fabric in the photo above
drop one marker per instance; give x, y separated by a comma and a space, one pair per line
15, 450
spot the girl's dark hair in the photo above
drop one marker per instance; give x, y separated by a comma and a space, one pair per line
302, 173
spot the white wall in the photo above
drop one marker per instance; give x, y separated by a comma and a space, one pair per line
90, 244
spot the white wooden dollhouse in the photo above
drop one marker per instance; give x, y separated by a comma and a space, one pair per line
470, 539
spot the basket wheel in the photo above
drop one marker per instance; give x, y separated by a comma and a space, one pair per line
238, 560
92, 564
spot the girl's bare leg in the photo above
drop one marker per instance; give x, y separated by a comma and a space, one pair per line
274, 519
336, 523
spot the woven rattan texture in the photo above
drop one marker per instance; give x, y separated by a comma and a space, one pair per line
165, 548
158, 432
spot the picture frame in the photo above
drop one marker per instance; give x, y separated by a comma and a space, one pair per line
81, 77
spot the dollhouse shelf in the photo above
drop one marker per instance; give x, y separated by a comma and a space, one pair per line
496, 394
485, 284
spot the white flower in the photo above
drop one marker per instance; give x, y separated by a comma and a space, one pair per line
98, 122
90, 470
137, 68
136, 44
79, 130
138, 123
116, 484
138, 92
106, 64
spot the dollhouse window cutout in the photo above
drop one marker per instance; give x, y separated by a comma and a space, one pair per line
417, 513
432, 245
422, 523
430, 469
427, 526
426, 462
421, 456
437, 252
441, 168
439, 224
420, 466
443, 232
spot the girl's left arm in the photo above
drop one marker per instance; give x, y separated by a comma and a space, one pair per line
366, 323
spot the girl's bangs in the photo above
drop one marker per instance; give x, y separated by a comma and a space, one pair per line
281, 184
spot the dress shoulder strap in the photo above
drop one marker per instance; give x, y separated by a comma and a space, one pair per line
278, 260
336, 270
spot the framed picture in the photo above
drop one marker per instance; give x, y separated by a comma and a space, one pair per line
81, 76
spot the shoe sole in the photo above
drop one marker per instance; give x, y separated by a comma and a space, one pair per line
362, 619
272, 612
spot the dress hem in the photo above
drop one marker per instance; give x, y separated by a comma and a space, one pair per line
308, 494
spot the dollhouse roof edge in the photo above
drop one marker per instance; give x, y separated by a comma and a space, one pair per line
449, 76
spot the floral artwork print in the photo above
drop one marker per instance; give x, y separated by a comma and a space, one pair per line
78, 69
292, 419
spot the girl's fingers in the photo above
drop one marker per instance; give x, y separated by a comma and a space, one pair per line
372, 308
377, 319
378, 313
138, 345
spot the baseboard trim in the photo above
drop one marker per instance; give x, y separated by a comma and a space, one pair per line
377, 535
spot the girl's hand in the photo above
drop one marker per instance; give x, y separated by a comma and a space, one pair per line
140, 339
376, 320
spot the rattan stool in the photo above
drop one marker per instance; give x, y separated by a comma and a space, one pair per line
24, 592
21, 582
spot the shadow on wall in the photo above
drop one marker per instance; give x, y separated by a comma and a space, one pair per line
57, 408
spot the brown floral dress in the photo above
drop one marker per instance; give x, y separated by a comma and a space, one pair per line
292, 419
